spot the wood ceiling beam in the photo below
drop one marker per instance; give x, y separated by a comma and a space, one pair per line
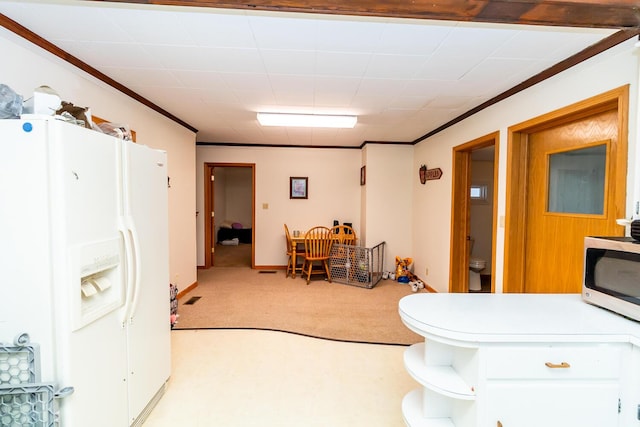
571, 13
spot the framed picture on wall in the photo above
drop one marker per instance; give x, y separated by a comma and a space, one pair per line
298, 187
363, 175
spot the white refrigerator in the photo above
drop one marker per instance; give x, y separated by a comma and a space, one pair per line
84, 268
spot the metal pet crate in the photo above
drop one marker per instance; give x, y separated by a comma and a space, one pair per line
357, 265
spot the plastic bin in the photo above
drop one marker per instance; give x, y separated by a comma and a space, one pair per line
356, 265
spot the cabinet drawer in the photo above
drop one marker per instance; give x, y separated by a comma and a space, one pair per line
553, 362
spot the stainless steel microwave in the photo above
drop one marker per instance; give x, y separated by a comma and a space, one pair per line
612, 274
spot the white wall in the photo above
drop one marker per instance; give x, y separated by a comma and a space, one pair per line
388, 200
609, 70
25, 67
334, 192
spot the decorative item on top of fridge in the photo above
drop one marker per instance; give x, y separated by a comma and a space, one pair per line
45, 101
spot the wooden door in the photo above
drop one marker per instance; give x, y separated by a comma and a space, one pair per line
209, 220
460, 211
209, 212
571, 188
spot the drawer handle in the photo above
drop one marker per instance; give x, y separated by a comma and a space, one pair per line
562, 365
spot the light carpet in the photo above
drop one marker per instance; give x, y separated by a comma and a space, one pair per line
237, 297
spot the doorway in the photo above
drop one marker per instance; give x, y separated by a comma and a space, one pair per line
473, 207
566, 179
229, 190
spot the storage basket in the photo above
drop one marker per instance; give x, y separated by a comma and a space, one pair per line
356, 265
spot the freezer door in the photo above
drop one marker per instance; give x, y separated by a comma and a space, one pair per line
148, 326
25, 255
91, 355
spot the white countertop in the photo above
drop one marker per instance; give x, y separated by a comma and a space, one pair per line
514, 317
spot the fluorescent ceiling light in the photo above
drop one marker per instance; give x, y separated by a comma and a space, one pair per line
307, 120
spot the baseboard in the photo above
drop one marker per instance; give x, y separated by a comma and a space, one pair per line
187, 289
427, 287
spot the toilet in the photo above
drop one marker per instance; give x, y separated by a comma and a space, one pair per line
476, 265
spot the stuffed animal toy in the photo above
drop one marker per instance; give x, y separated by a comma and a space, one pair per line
76, 112
404, 274
402, 269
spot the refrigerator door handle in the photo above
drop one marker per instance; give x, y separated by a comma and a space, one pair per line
125, 229
138, 270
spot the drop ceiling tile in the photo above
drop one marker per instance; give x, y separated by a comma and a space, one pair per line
394, 66
341, 64
284, 32
411, 39
246, 81
200, 79
292, 91
152, 26
342, 35
387, 88
426, 88
224, 100
224, 29
450, 102
409, 102
471, 40
288, 61
334, 93
446, 67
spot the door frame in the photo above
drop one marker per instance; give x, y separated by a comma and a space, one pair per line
209, 243
460, 207
517, 173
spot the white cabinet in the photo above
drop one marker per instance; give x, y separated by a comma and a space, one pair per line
521, 373
552, 385
551, 404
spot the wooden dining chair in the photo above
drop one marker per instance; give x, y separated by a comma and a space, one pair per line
317, 248
344, 234
292, 264
343, 258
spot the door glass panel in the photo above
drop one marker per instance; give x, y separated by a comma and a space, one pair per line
576, 181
